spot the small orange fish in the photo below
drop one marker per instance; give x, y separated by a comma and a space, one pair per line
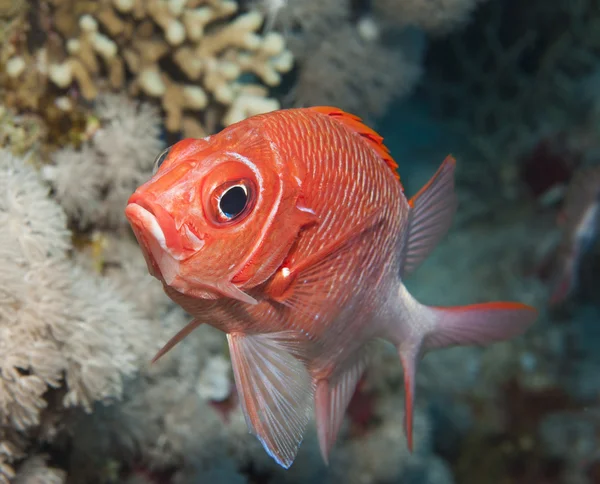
290, 232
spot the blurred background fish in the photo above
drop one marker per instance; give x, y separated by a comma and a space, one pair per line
580, 221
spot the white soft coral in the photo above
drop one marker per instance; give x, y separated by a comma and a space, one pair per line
59, 324
433, 16
93, 183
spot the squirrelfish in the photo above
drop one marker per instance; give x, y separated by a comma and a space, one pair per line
580, 221
291, 233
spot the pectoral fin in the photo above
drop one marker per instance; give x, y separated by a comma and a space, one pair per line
305, 284
276, 391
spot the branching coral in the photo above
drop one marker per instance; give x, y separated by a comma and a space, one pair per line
93, 182
192, 55
60, 326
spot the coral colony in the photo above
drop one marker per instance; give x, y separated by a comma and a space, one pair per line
91, 91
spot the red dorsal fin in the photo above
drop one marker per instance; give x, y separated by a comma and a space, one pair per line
355, 124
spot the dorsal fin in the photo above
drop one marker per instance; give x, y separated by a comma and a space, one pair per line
355, 124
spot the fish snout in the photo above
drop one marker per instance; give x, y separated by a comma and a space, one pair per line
176, 238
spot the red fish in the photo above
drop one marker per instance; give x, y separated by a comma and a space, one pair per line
290, 232
580, 220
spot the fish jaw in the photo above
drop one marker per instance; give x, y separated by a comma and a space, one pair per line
165, 252
153, 242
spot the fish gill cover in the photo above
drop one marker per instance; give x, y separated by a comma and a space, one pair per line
91, 91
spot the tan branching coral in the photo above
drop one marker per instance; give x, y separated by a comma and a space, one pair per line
191, 55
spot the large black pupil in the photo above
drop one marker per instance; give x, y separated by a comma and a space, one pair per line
233, 201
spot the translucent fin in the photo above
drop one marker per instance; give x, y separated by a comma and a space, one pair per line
421, 328
355, 124
180, 336
331, 403
409, 357
432, 211
229, 289
479, 324
276, 391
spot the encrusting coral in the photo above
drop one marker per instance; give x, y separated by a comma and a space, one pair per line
192, 55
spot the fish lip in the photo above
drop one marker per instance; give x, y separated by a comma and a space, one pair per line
164, 229
141, 202
142, 218
139, 219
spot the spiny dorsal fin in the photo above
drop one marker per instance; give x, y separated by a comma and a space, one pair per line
355, 124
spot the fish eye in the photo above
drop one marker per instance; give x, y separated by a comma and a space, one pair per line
160, 159
233, 200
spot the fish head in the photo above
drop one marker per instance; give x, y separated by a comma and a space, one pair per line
215, 218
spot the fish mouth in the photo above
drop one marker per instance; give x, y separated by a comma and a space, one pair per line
153, 241
164, 230
180, 247
162, 264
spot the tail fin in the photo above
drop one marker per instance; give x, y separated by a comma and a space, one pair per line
479, 324
422, 328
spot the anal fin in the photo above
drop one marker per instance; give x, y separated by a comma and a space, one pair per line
409, 357
276, 391
331, 402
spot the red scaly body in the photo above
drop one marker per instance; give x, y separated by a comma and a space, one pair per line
290, 232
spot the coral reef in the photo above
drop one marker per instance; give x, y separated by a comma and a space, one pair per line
103, 318
193, 56
361, 56
117, 157
90, 93
62, 337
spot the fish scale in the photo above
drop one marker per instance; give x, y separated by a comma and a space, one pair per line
308, 273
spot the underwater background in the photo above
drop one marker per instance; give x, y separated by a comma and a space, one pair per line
91, 91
